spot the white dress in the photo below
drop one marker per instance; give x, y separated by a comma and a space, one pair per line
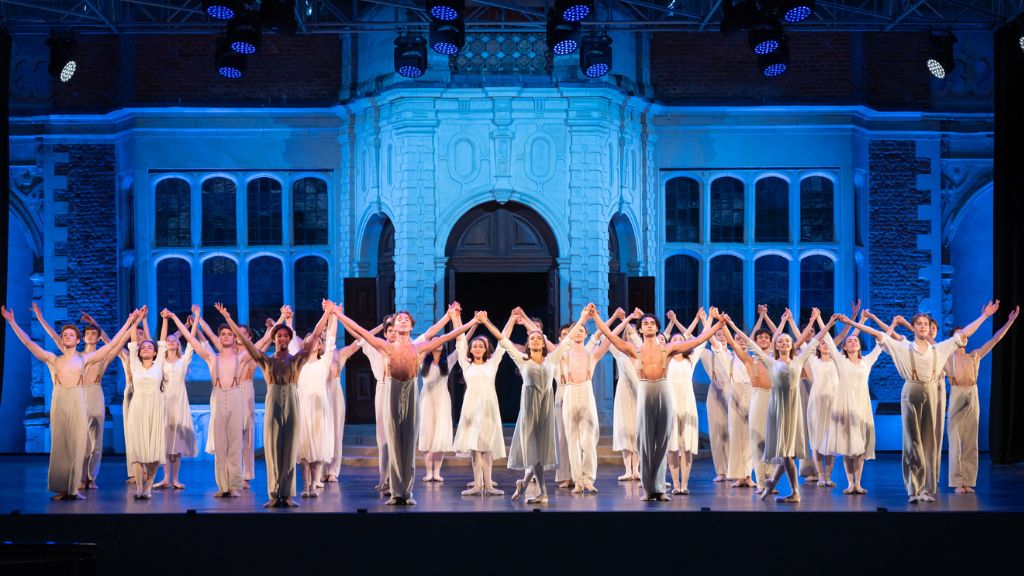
624, 414
820, 402
784, 437
852, 425
180, 434
686, 430
435, 424
145, 440
316, 418
533, 441
480, 421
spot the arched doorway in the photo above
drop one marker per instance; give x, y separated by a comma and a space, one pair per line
626, 289
501, 256
367, 299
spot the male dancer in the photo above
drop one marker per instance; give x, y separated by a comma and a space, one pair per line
654, 399
404, 356
720, 371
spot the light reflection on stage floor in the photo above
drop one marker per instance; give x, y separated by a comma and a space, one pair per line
23, 488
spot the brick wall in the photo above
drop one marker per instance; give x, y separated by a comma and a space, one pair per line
894, 261
881, 70
91, 246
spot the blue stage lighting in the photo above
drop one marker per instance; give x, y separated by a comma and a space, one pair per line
574, 10
446, 10
229, 63
221, 9
410, 56
765, 38
562, 37
775, 63
62, 60
940, 54
447, 37
797, 14
596, 56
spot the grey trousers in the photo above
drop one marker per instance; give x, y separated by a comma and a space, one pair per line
655, 417
280, 439
401, 403
918, 436
964, 413
227, 437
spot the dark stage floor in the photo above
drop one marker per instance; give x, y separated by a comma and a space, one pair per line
23, 488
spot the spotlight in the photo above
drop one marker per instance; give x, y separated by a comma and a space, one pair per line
222, 9
596, 56
738, 16
446, 10
447, 37
774, 63
245, 33
765, 37
563, 37
230, 64
940, 54
794, 11
574, 10
279, 15
410, 56
62, 59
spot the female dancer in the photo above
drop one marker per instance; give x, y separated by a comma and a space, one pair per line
533, 442
757, 421
145, 440
179, 433
654, 398
784, 439
479, 429
624, 415
964, 409
316, 423
68, 423
435, 425
281, 371
336, 397
685, 438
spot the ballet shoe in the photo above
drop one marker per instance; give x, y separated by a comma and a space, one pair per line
234, 494
147, 495
821, 483
589, 487
926, 497
221, 494
811, 478
791, 499
380, 487
830, 484
625, 477
305, 494
161, 485
428, 478
768, 488
491, 491
577, 489
519, 490
968, 488
137, 496
471, 484
91, 485
860, 490
314, 494
178, 486
331, 478
719, 478
850, 490
636, 476
960, 490
539, 499
677, 491
438, 479
130, 480
474, 491
913, 499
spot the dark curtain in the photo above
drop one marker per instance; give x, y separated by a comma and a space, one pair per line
1006, 424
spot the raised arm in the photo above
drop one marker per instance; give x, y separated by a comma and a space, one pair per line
37, 351
687, 345
307, 346
256, 355
439, 325
986, 312
613, 338
688, 332
863, 327
671, 322
740, 352
359, 331
111, 348
163, 324
210, 336
104, 337
604, 344
988, 346
809, 329
762, 313
778, 330
435, 343
190, 335
855, 305
504, 333
46, 326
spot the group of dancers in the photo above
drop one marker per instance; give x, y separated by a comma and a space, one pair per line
774, 398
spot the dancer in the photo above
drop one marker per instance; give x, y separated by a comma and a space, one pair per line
919, 363
479, 432
68, 418
654, 398
624, 413
227, 403
533, 442
336, 397
316, 422
145, 427
404, 356
760, 390
964, 410
179, 433
740, 462
717, 404
126, 398
784, 440
435, 435
851, 427
684, 443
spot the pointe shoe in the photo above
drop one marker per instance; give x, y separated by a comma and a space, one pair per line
519, 490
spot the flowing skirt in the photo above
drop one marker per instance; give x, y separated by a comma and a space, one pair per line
686, 431
179, 433
435, 434
819, 412
784, 436
533, 441
145, 439
316, 424
68, 430
336, 396
480, 422
851, 426
624, 416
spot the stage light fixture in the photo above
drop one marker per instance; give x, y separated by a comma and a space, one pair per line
446, 10
574, 10
62, 59
794, 11
775, 63
940, 54
222, 9
737, 16
562, 37
765, 37
245, 33
229, 64
279, 15
447, 37
596, 56
410, 56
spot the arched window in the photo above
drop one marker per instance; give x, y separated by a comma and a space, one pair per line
682, 277
727, 210
220, 284
173, 213
263, 200
771, 284
174, 286
817, 223
817, 286
310, 288
266, 290
309, 212
771, 210
727, 285
682, 210
219, 212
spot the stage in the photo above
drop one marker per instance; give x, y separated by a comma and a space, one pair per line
350, 526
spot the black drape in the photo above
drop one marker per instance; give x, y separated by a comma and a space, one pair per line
5, 171
1006, 423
